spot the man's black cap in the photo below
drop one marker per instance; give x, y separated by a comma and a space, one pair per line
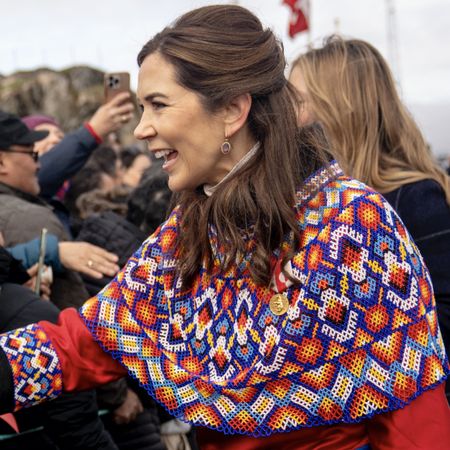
14, 132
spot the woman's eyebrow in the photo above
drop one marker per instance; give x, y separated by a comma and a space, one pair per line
150, 97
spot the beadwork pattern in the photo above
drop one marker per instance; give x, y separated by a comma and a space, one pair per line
34, 364
360, 336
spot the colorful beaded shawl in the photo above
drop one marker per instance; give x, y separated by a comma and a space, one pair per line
359, 337
355, 335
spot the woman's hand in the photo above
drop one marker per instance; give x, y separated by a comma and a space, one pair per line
88, 259
128, 410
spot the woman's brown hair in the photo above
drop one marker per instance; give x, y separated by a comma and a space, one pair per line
221, 52
352, 93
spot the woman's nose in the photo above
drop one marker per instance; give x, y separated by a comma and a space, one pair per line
144, 130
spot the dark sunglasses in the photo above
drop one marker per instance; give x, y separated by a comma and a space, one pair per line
33, 154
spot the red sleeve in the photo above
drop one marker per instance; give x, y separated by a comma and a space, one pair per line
424, 424
84, 364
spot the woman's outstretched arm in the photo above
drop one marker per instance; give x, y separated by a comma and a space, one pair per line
40, 361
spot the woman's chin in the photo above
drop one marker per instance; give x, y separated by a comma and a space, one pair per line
176, 185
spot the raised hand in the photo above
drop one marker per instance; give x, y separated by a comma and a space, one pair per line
112, 115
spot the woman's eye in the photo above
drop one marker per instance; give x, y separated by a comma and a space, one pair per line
158, 105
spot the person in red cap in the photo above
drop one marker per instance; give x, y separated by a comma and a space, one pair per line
40, 122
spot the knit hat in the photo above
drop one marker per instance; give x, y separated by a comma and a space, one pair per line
38, 119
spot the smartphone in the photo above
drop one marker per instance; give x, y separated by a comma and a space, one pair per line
41, 261
115, 83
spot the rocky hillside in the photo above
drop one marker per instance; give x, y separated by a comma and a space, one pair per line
71, 96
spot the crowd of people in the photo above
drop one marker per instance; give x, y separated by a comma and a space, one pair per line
269, 271
98, 204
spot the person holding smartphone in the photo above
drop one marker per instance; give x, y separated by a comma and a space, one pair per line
61, 156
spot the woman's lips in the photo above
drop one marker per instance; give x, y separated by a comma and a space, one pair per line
170, 160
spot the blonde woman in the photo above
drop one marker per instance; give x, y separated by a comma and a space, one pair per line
347, 86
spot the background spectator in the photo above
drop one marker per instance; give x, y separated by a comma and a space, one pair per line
348, 88
134, 162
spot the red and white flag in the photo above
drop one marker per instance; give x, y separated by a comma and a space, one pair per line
299, 20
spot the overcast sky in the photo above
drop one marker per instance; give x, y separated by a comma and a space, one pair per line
108, 34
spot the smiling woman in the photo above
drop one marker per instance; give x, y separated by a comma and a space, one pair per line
281, 304
178, 128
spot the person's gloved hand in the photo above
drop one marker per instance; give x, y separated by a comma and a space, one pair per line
112, 115
88, 259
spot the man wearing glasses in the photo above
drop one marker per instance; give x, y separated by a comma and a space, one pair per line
18, 161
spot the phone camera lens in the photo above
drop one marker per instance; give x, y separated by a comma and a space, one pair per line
113, 82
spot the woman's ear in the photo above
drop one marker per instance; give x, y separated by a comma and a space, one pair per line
236, 113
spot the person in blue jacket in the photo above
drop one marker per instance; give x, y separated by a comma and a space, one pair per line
62, 156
